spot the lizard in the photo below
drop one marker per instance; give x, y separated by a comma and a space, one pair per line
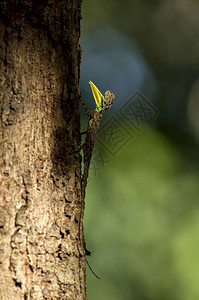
103, 103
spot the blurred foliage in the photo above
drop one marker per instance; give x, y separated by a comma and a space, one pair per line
142, 223
142, 214
165, 28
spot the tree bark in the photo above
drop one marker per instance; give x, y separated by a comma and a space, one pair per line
40, 167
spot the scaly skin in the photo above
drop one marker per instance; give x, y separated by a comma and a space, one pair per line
88, 146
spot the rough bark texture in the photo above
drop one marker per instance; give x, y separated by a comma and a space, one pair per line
40, 169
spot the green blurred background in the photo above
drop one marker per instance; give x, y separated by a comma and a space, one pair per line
142, 201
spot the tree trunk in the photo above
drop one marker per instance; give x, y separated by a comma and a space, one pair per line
40, 167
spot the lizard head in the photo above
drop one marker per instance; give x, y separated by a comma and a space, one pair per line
108, 100
102, 102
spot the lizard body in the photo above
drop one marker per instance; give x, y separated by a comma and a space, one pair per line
91, 133
88, 146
